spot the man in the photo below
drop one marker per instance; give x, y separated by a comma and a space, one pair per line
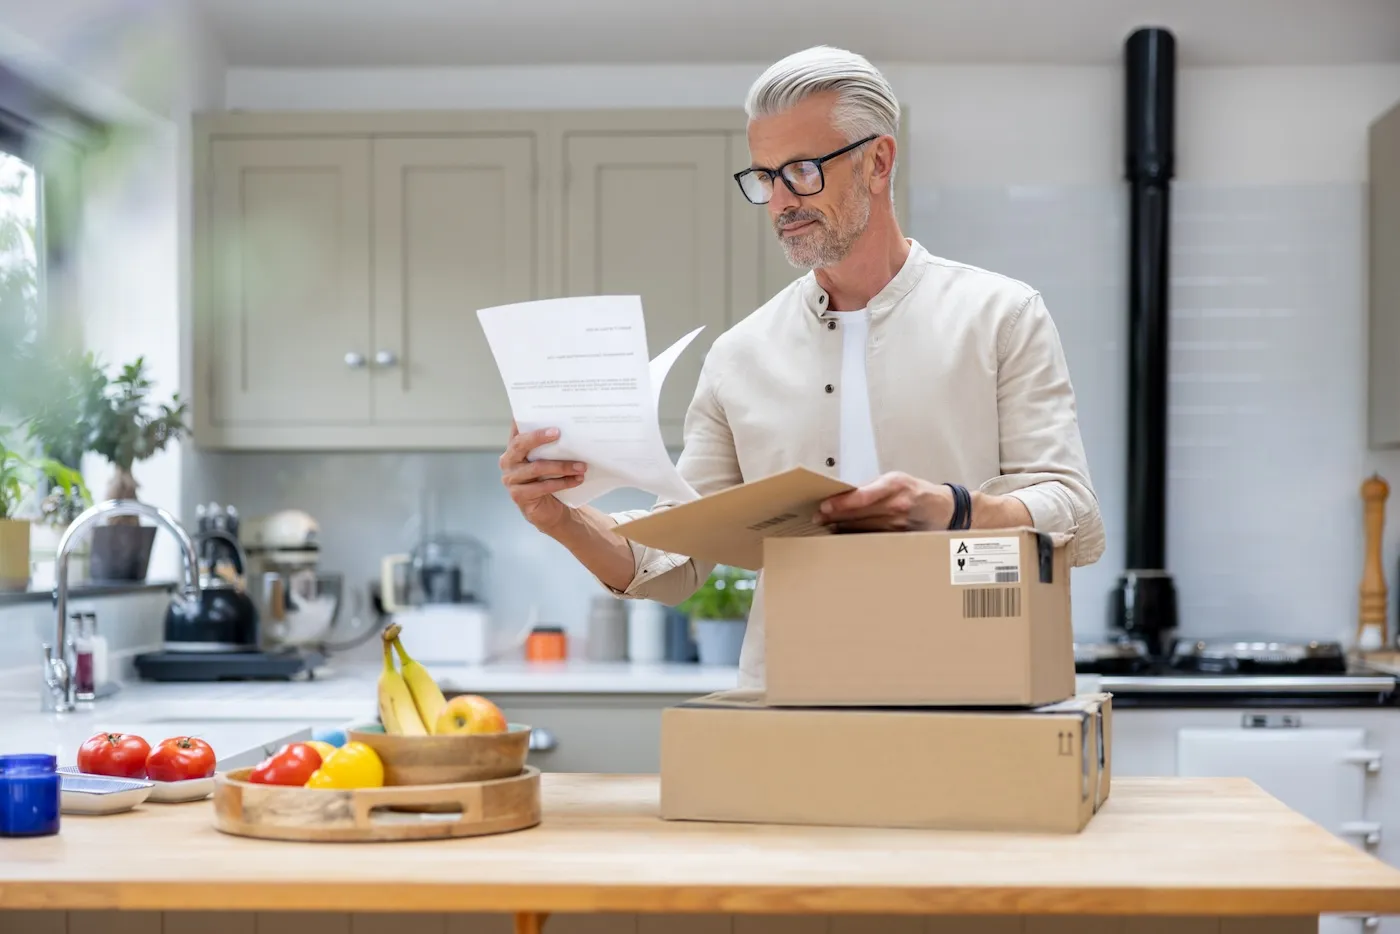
910, 377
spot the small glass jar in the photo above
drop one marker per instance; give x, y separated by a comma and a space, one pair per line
30, 795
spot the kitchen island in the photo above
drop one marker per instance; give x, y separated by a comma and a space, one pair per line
1164, 855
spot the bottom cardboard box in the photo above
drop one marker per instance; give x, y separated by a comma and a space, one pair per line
728, 757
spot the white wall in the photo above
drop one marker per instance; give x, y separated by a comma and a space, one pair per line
1019, 168
971, 124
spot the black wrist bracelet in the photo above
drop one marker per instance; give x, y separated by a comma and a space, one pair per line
962, 507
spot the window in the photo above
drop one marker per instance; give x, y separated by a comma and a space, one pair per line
21, 301
41, 144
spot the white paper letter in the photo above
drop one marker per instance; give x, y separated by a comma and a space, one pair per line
580, 365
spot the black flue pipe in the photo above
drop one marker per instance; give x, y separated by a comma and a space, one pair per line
1146, 597
1151, 95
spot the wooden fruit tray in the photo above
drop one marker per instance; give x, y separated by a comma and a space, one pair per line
399, 812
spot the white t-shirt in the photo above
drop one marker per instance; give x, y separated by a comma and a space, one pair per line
859, 463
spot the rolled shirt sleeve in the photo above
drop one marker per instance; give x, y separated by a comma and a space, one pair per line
708, 463
1042, 453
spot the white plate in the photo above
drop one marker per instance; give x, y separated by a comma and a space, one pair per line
193, 789
101, 794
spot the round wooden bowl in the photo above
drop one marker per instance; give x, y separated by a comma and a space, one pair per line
278, 812
443, 760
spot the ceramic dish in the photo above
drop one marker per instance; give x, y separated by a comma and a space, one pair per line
100, 794
194, 789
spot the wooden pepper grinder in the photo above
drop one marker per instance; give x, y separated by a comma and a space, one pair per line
1371, 628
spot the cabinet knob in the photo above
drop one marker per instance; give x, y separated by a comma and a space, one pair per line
385, 358
541, 740
354, 360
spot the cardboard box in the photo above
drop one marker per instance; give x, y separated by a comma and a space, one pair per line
728, 757
730, 527
918, 618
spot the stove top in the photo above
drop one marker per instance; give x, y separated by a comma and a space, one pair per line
1262, 668
1213, 657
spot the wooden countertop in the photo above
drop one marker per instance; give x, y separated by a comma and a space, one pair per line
1160, 846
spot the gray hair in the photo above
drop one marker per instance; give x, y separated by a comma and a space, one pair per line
865, 102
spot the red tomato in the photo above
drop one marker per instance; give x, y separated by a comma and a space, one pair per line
293, 764
120, 754
180, 758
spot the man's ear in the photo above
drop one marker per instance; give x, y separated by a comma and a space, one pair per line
882, 161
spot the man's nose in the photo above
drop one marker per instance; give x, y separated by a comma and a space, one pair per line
782, 199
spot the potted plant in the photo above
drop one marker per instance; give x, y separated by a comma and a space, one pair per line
63, 391
124, 427
17, 481
719, 614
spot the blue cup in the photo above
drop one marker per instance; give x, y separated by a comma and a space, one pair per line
30, 795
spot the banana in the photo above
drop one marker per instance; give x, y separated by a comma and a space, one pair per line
396, 708
427, 696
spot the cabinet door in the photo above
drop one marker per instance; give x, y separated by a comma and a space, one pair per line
648, 216
289, 316
454, 232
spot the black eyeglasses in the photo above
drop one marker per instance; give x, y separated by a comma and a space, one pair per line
803, 177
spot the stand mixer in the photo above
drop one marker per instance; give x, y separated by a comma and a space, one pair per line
436, 595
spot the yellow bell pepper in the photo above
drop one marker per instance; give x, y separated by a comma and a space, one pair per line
323, 749
353, 765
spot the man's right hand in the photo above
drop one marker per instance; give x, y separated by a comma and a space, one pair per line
532, 484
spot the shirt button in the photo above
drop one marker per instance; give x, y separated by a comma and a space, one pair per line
831, 325
830, 388
831, 462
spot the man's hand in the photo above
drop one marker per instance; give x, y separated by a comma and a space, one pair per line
532, 484
895, 502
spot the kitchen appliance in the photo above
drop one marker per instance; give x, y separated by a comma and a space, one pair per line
224, 619
300, 603
1322, 773
436, 594
1242, 672
1144, 601
220, 638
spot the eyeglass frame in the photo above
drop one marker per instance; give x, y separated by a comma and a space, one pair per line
777, 173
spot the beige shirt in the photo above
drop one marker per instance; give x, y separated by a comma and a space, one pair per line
967, 384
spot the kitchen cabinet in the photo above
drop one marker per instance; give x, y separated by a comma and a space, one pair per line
290, 266
340, 259
454, 232
647, 215
343, 276
1384, 287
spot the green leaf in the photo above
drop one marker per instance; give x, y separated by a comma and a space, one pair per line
727, 594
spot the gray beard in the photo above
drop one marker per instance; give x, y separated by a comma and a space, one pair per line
824, 246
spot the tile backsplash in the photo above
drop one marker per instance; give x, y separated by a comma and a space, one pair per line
130, 622
1267, 429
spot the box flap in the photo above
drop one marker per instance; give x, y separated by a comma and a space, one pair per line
729, 527
1080, 703
1082, 706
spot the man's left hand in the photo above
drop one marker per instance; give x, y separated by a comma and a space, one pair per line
895, 502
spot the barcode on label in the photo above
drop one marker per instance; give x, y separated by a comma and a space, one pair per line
1008, 577
991, 603
769, 523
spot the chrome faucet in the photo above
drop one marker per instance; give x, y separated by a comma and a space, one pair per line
62, 693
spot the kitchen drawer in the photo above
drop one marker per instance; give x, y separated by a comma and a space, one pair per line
593, 733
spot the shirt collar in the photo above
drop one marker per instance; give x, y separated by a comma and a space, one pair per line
814, 297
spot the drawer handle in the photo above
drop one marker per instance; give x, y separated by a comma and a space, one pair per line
541, 740
354, 360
